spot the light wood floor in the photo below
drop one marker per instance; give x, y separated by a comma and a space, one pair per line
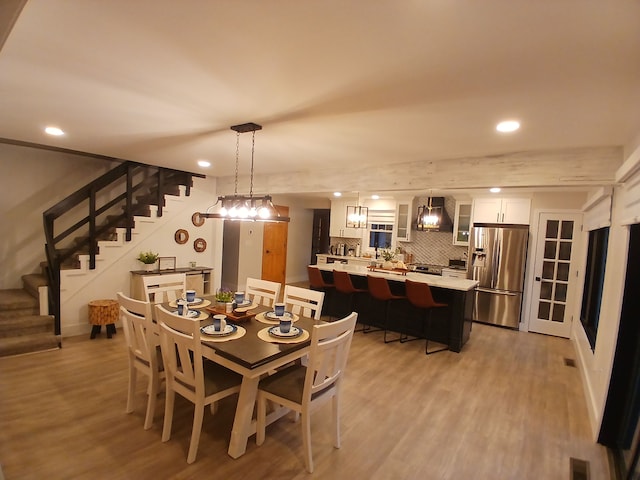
507, 407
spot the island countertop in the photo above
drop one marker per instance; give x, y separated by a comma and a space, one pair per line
450, 283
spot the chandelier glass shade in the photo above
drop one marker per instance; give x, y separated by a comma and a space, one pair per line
357, 216
257, 208
428, 217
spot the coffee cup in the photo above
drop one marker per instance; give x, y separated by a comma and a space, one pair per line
278, 308
239, 297
285, 325
182, 308
219, 322
191, 295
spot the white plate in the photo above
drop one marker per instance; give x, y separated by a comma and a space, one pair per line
228, 330
190, 313
292, 333
195, 301
272, 315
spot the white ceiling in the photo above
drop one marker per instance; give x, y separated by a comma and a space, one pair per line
348, 82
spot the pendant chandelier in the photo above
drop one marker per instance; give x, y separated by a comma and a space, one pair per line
245, 207
428, 217
357, 216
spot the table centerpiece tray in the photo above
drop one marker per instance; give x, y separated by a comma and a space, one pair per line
236, 317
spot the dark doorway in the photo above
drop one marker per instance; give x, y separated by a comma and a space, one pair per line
620, 428
320, 235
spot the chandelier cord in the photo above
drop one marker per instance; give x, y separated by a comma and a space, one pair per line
237, 160
253, 145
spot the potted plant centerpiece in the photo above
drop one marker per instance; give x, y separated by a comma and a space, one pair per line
148, 259
223, 296
389, 256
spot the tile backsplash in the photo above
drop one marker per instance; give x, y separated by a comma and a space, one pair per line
435, 248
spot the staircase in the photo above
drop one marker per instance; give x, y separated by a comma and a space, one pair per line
110, 204
22, 328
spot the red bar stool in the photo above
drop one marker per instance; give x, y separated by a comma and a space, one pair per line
344, 285
379, 289
317, 282
419, 295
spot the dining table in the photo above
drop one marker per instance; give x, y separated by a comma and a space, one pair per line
252, 355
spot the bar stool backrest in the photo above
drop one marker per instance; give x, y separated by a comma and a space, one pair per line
379, 288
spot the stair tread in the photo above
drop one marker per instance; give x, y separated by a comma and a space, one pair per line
16, 298
35, 342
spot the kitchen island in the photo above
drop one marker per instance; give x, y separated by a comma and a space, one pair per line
451, 326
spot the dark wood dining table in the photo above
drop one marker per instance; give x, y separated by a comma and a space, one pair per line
252, 358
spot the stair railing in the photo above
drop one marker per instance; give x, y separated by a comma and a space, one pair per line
132, 177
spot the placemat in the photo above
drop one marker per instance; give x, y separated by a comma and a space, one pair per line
264, 335
262, 319
201, 315
240, 332
204, 303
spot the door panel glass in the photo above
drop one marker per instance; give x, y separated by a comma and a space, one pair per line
563, 272
545, 290
566, 232
565, 251
558, 312
547, 270
544, 308
552, 229
561, 292
550, 249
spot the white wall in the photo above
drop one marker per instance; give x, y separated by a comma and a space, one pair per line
31, 181
596, 365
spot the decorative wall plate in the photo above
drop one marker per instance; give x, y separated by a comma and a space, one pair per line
199, 245
181, 236
197, 220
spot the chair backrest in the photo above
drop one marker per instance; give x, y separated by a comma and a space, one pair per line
181, 353
303, 301
419, 295
330, 344
343, 282
379, 288
164, 288
139, 330
315, 278
262, 291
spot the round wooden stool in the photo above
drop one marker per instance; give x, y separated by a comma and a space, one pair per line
103, 312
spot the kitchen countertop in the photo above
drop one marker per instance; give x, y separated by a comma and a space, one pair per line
451, 283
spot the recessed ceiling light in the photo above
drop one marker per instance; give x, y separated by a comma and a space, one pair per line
495, 190
337, 194
54, 131
204, 163
375, 197
508, 126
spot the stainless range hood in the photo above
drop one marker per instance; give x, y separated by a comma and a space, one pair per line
433, 217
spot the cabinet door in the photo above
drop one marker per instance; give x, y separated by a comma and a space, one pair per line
338, 221
462, 223
486, 210
516, 210
403, 221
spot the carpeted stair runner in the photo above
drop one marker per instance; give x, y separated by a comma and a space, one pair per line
22, 328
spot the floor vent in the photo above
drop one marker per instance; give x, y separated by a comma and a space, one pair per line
579, 469
569, 362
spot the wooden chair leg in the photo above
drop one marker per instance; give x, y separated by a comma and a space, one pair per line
132, 387
198, 416
154, 385
170, 398
335, 409
306, 441
261, 419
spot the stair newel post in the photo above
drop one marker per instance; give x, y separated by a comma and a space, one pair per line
92, 229
52, 272
128, 209
160, 190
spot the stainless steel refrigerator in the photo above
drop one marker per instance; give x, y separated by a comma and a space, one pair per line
497, 255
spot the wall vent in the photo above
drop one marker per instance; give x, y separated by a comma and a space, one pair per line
569, 362
579, 469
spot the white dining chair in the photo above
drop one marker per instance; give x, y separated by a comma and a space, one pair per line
262, 292
305, 388
195, 378
143, 347
164, 288
303, 301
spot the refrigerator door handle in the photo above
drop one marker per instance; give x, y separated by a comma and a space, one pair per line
497, 292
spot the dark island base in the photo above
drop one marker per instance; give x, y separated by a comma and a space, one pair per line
451, 325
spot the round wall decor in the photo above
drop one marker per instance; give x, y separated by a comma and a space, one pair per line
197, 220
181, 236
199, 245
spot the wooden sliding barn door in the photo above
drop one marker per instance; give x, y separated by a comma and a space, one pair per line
274, 249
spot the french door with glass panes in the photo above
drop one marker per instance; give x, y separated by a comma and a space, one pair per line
555, 268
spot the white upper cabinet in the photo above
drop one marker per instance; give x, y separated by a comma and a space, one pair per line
501, 210
338, 221
403, 220
462, 223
